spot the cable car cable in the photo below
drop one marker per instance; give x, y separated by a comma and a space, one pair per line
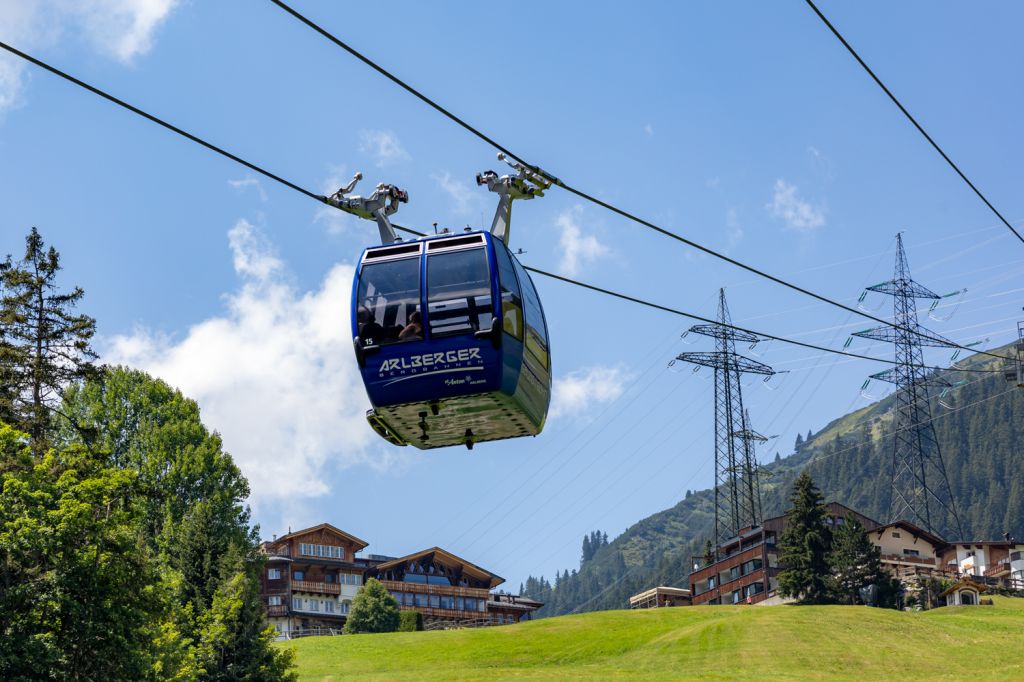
321, 199
913, 120
173, 128
589, 197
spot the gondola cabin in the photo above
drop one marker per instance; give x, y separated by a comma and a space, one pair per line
451, 342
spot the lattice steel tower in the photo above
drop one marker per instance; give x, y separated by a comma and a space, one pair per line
737, 493
920, 489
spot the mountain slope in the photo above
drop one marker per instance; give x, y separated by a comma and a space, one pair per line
981, 435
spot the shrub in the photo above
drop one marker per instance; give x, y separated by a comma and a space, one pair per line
373, 610
410, 621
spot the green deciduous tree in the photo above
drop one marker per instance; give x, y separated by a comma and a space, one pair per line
191, 499
44, 345
804, 545
373, 610
81, 596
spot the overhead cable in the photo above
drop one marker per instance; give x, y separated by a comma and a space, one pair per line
589, 197
298, 188
913, 120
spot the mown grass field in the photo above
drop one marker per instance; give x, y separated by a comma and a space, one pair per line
722, 642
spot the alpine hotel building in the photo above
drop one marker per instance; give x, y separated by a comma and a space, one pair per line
312, 576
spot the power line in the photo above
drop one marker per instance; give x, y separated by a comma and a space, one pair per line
812, 460
580, 193
681, 313
298, 188
913, 120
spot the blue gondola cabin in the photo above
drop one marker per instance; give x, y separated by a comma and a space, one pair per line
451, 342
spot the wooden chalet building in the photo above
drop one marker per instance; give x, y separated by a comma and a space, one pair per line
745, 567
440, 585
310, 579
312, 576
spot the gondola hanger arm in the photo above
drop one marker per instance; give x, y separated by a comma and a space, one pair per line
377, 207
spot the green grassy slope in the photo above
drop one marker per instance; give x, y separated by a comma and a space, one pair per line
723, 642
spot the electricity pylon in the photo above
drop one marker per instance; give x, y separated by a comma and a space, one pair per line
920, 488
1015, 368
737, 493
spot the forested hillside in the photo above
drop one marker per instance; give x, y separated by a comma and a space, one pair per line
980, 427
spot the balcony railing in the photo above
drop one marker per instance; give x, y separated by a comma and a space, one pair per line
909, 559
318, 587
277, 610
446, 590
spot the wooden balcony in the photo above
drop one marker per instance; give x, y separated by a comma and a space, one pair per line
446, 590
908, 559
277, 610
998, 570
317, 587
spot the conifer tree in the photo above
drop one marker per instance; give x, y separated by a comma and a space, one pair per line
804, 545
45, 345
855, 562
588, 550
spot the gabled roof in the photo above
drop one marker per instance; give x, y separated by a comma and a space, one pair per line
325, 526
446, 557
916, 531
839, 509
965, 583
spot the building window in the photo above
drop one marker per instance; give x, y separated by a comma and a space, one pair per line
273, 574
911, 552
435, 601
896, 534
299, 575
421, 600
345, 606
447, 602
329, 606
314, 604
274, 600
297, 603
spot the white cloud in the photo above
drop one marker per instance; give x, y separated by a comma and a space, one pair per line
121, 29
577, 249
798, 214
581, 390
464, 197
649, 130
383, 146
244, 183
274, 374
733, 229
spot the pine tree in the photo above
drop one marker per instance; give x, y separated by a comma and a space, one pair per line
588, 550
804, 545
45, 345
799, 442
373, 610
709, 553
855, 562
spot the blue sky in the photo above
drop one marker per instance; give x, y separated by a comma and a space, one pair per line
744, 126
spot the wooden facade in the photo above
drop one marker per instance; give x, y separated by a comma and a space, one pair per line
438, 584
312, 576
310, 579
745, 567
